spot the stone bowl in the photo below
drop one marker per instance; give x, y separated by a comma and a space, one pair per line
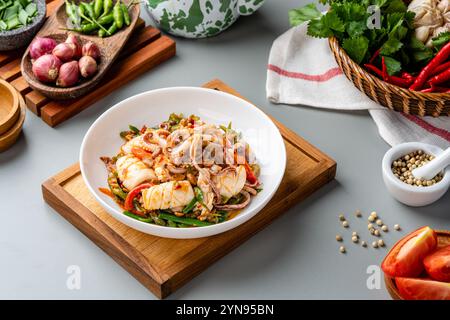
18, 38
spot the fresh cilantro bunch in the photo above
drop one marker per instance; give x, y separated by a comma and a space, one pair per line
347, 20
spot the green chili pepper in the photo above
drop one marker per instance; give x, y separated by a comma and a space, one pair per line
188, 221
190, 206
72, 13
135, 216
81, 11
126, 14
88, 9
101, 33
115, 187
98, 8
85, 28
107, 7
118, 15
106, 20
112, 29
134, 129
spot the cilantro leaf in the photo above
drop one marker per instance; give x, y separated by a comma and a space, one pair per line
441, 40
393, 66
306, 13
318, 29
356, 28
356, 48
418, 51
391, 47
396, 6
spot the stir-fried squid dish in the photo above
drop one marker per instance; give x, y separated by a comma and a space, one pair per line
182, 173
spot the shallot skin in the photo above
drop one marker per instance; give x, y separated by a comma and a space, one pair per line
64, 51
88, 66
68, 74
41, 46
91, 49
73, 39
46, 68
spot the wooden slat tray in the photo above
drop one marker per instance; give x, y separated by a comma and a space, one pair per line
163, 265
145, 49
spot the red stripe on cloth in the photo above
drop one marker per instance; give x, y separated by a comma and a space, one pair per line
444, 134
330, 74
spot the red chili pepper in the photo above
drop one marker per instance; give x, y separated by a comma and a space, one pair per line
375, 55
128, 204
250, 175
143, 129
423, 76
384, 69
441, 77
441, 68
407, 75
433, 89
400, 82
374, 69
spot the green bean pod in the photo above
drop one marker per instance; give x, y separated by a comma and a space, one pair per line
118, 15
126, 14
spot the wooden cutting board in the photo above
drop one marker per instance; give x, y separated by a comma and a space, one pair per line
163, 265
144, 50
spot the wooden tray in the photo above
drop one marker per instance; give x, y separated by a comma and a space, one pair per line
163, 265
145, 49
110, 48
443, 241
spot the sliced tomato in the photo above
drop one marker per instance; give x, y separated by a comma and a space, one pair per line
251, 177
406, 257
128, 204
422, 289
140, 153
437, 264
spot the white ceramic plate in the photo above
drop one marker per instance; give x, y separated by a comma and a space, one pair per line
151, 108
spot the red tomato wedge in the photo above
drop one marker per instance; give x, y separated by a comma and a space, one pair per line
405, 258
437, 264
422, 289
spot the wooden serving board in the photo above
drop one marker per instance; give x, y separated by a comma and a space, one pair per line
163, 265
144, 50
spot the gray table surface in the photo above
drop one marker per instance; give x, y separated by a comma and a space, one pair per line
296, 257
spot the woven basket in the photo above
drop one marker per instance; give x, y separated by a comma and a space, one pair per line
388, 95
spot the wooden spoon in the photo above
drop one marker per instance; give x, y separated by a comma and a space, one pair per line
109, 48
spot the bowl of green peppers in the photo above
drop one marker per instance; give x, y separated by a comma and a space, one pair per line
20, 20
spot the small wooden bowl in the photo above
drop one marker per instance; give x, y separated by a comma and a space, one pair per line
443, 241
8, 138
9, 106
109, 47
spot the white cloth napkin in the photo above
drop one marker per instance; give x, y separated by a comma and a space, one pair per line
302, 70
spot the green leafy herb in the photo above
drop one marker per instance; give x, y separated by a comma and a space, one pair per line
134, 129
441, 40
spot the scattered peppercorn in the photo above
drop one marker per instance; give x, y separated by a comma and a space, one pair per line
375, 244
355, 239
341, 217
381, 243
345, 224
342, 249
384, 228
358, 213
339, 238
397, 227
376, 232
363, 244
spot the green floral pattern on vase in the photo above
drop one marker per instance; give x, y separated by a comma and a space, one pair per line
199, 18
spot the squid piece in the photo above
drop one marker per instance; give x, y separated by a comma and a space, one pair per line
143, 142
132, 171
168, 195
230, 181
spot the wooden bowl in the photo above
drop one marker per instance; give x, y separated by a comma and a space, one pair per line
443, 240
388, 95
9, 106
8, 138
109, 48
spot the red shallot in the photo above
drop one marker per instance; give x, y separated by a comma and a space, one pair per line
46, 68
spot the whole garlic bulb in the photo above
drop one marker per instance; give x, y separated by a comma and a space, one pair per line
432, 18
